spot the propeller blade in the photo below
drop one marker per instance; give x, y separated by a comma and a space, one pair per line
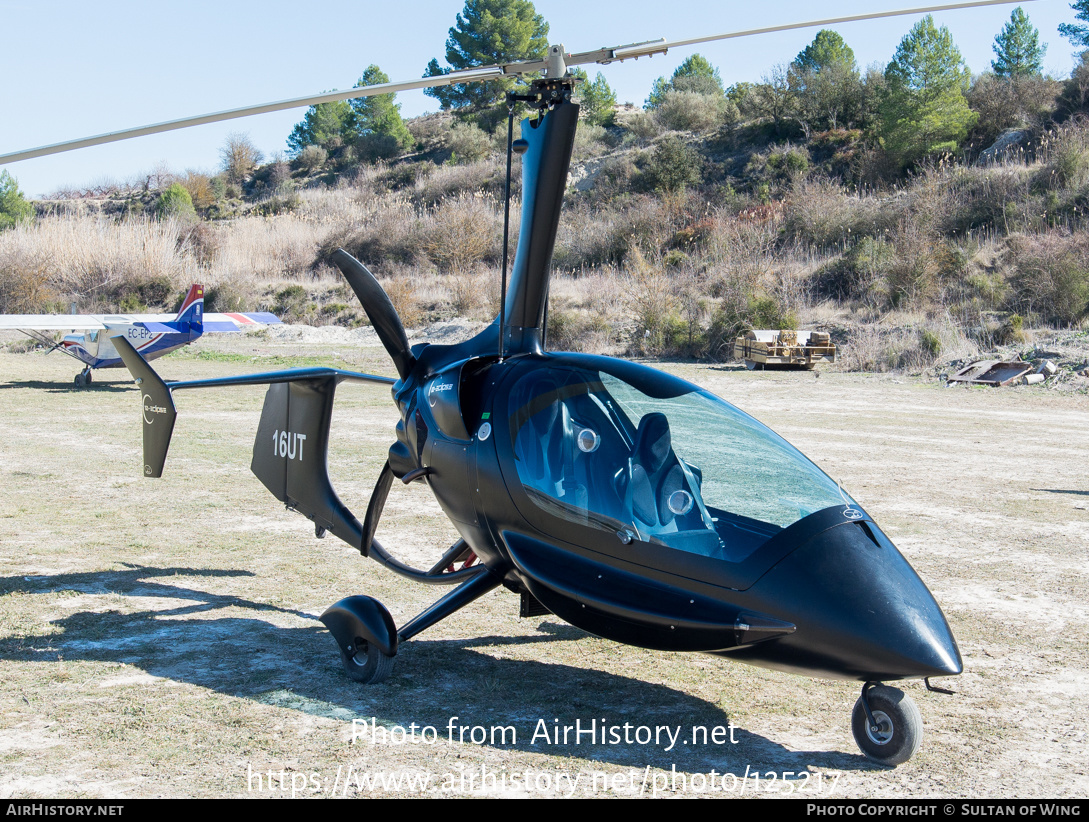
555, 65
380, 310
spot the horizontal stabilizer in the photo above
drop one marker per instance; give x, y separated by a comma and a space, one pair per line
157, 407
220, 328
167, 328
238, 318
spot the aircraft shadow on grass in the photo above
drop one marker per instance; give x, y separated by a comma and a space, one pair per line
298, 668
114, 387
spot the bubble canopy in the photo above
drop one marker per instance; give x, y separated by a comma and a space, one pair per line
652, 458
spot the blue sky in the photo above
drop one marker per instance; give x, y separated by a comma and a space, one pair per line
73, 69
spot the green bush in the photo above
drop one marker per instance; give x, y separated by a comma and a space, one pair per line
857, 274
468, 143
293, 304
176, 203
672, 166
930, 342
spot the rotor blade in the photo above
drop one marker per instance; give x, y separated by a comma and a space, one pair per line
636, 50
473, 75
463, 76
380, 310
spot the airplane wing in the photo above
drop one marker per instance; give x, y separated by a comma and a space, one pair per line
50, 322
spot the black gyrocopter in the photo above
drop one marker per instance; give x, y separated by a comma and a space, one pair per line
623, 500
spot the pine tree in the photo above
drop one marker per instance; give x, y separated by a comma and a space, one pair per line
828, 50
1078, 35
1017, 48
323, 125
825, 80
923, 109
346, 122
597, 100
695, 74
488, 32
13, 205
378, 116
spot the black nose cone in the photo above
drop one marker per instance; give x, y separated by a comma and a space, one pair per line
860, 609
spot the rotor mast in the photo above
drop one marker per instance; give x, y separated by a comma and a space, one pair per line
550, 137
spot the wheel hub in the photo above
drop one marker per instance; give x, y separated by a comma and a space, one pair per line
880, 731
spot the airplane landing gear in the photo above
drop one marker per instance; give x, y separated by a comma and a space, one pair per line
368, 664
886, 724
83, 379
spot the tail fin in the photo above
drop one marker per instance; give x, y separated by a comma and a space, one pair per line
192, 308
157, 404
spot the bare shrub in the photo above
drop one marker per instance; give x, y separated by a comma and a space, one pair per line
485, 176
402, 293
389, 231
310, 159
912, 277
199, 186
468, 292
691, 111
590, 237
239, 157
820, 212
461, 232
23, 277
650, 298
1066, 158
1050, 276
643, 124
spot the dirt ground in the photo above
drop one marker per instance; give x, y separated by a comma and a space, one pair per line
160, 637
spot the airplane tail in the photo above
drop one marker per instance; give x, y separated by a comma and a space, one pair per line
192, 309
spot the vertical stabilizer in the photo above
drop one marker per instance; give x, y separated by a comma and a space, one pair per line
192, 310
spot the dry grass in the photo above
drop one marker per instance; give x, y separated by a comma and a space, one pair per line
159, 637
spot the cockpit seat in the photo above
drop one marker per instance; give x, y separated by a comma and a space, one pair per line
659, 493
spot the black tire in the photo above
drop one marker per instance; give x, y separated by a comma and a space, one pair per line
900, 726
368, 665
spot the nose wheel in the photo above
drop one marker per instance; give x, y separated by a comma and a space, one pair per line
886, 724
367, 664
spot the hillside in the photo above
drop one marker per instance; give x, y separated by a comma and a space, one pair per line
683, 225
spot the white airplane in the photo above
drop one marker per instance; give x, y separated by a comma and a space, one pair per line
153, 335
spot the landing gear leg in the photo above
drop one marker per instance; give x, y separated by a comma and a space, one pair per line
83, 379
886, 724
367, 637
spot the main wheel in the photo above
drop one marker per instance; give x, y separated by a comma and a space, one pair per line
368, 665
898, 730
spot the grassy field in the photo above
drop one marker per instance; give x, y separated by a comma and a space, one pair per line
160, 637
